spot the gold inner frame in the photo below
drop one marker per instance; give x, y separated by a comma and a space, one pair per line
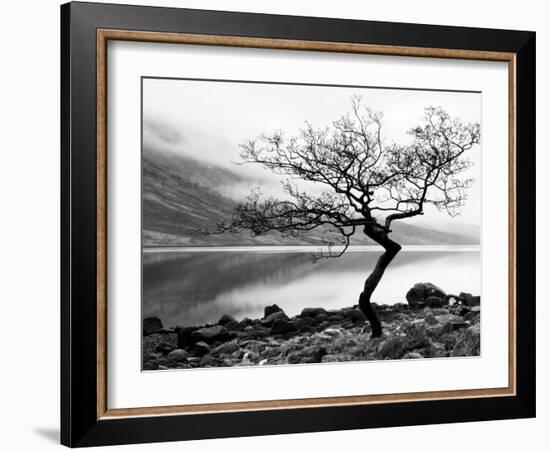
104, 35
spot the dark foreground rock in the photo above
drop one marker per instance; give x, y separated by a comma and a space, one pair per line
151, 325
426, 294
426, 329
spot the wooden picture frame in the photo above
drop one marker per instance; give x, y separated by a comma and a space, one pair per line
86, 418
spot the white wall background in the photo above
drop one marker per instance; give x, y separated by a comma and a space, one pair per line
29, 223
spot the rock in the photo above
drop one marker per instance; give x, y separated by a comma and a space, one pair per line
304, 323
448, 340
355, 315
431, 320
211, 334
312, 312
177, 355
313, 354
246, 321
227, 348
281, 326
420, 292
268, 321
225, 319
151, 365
322, 317
472, 315
201, 348
447, 317
393, 348
164, 348
268, 310
333, 332
255, 333
436, 302
468, 343
185, 338
412, 355
399, 307
469, 299
151, 325
454, 324
233, 325
416, 336
149, 357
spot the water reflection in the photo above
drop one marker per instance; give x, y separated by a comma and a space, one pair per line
194, 288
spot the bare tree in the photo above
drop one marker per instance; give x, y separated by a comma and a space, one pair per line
369, 184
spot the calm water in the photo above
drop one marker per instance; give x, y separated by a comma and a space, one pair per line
197, 286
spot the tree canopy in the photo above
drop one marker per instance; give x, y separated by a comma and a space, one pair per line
368, 183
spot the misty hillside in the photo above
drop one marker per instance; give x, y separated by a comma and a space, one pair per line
182, 195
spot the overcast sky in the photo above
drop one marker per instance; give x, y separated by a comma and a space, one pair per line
208, 120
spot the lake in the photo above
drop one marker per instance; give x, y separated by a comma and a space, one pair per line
195, 286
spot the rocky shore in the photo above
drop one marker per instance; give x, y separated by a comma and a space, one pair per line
431, 324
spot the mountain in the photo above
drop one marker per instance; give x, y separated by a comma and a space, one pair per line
181, 195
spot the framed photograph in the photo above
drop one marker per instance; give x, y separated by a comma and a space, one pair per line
276, 224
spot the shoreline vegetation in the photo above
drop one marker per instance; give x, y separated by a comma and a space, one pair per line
432, 324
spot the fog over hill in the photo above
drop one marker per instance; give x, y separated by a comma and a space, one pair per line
181, 195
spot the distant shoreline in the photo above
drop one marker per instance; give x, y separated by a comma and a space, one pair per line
306, 248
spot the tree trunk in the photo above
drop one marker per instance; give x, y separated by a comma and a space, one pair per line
392, 248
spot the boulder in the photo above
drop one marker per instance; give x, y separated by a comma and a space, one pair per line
312, 312
304, 323
269, 320
226, 318
436, 302
201, 348
164, 348
185, 337
211, 334
281, 326
355, 315
151, 325
233, 325
420, 292
469, 299
246, 322
177, 355
268, 310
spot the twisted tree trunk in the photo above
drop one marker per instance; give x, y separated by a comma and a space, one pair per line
392, 248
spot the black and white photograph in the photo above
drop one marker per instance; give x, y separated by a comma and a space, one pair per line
293, 224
